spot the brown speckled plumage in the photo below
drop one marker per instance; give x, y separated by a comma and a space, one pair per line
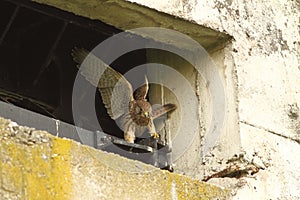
132, 112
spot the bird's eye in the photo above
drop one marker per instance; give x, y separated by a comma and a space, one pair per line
137, 109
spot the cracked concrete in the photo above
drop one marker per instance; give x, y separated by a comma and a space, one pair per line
280, 179
266, 59
270, 131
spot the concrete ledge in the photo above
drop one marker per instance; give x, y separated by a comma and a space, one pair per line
33, 163
37, 165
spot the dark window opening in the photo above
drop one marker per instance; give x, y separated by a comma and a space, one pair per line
37, 70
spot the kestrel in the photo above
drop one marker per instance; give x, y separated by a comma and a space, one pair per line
131, 110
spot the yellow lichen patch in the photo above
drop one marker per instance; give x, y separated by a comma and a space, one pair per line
24, 171
34, 164
61, 177
11, 172
36, 172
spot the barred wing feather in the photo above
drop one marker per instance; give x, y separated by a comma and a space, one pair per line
115, 90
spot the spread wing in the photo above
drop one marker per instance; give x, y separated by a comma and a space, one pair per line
115, 90
142, 91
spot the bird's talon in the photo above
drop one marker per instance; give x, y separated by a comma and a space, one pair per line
155, 135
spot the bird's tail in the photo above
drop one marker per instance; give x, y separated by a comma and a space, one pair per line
157, 112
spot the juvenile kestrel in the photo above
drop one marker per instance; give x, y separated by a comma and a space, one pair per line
131, 110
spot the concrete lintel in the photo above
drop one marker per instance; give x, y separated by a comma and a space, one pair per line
125, 15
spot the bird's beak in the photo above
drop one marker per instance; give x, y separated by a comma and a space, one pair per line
146, 114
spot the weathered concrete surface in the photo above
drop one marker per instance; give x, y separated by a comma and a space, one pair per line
263, 63
125, 15
265, 52
37, 165
190, 161
33, 164
279, 157
279, 176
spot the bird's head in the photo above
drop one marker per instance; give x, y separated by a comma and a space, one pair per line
143, 108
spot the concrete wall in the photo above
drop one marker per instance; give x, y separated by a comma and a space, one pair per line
265, 52
190, 161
